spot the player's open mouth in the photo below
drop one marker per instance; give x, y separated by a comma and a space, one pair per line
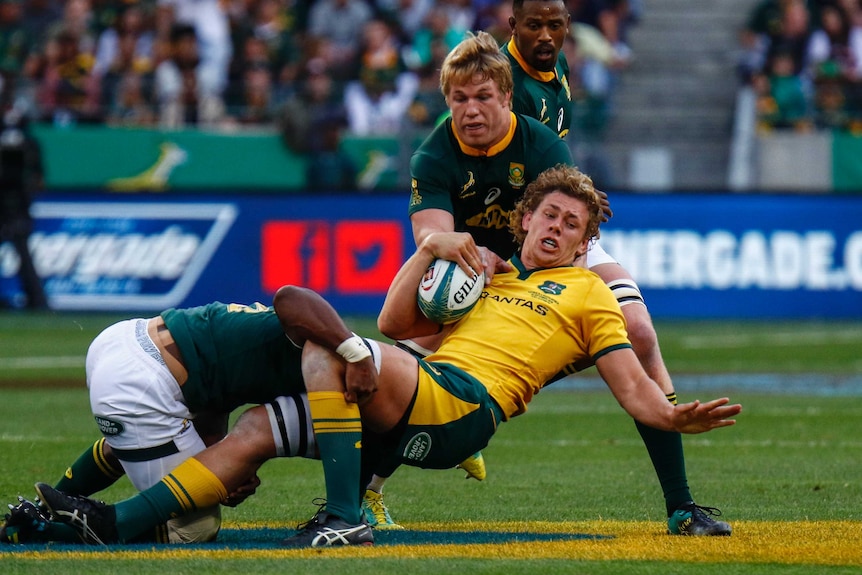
549, 243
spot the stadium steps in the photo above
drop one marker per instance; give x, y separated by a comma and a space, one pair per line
678, 94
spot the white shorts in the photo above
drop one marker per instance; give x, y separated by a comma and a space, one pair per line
138, 404
597, 255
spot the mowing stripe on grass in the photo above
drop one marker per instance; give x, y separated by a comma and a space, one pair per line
835, 543
744, 340
42, 362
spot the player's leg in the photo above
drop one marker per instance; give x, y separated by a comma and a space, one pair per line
277, 429
338, 427
664, 448
94, 470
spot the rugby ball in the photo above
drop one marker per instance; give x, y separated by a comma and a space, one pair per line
446, 293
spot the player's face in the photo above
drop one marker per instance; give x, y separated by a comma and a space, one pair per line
481, 113
556, 231
539, 29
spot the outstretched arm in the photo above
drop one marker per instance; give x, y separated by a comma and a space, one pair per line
644, 401
306, 316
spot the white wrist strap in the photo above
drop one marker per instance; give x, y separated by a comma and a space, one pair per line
353, 349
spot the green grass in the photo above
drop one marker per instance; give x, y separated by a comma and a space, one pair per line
46, 347
575, 456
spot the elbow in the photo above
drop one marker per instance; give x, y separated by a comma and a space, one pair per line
287, 300
388, 325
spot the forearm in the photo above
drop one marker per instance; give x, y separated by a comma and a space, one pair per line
306, 316
400, 317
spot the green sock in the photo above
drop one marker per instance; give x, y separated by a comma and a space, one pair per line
90, 473
665, 451
338, 430
189, 487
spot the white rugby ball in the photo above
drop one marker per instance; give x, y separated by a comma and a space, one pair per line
446, 293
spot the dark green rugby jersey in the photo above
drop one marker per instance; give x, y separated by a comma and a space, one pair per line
480, 190
545, 96
235, 354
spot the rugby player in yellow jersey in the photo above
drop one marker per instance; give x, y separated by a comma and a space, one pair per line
545, 315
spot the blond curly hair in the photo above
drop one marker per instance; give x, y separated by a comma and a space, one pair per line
568, 180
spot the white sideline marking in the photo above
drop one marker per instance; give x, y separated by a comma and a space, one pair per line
41, 362
772, 339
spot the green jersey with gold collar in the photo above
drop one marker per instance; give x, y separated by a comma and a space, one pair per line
480, 189
545, 96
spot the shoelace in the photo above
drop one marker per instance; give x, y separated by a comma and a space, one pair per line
713, 511
321, 505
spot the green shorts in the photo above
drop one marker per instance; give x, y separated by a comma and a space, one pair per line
452, 417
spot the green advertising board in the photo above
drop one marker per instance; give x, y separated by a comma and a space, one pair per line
135, 159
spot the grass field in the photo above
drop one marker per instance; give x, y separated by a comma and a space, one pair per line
573, 469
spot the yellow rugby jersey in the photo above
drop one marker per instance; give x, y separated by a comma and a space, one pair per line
528, 326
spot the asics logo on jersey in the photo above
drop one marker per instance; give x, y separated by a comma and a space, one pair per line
471, 181
492, 195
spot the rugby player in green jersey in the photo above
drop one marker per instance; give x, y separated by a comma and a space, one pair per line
540, 73
161, 390
431, 413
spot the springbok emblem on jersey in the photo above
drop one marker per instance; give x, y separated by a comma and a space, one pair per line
466, 187
544, 111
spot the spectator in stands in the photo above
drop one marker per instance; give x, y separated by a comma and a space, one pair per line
131, 103
773, 25
311, 122
495, 21
377, 102
39, 15
429, 104
272, 25
212, 31
834, 60
460, 13
186, 92
590, 114
783, 101
407, 15
16, 45
256, 106
610, 17
127, 82
68, 92
132, 25
78, 20
436, 32
341, 22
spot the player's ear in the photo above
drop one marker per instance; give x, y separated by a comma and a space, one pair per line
525, 221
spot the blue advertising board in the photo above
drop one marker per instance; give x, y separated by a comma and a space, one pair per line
694, 255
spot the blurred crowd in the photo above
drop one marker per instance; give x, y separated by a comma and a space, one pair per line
803, 58
315, 69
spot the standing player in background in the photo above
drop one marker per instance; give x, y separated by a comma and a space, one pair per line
483, 156
541, 90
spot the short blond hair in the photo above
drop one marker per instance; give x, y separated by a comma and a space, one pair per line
476, 54
568, 180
